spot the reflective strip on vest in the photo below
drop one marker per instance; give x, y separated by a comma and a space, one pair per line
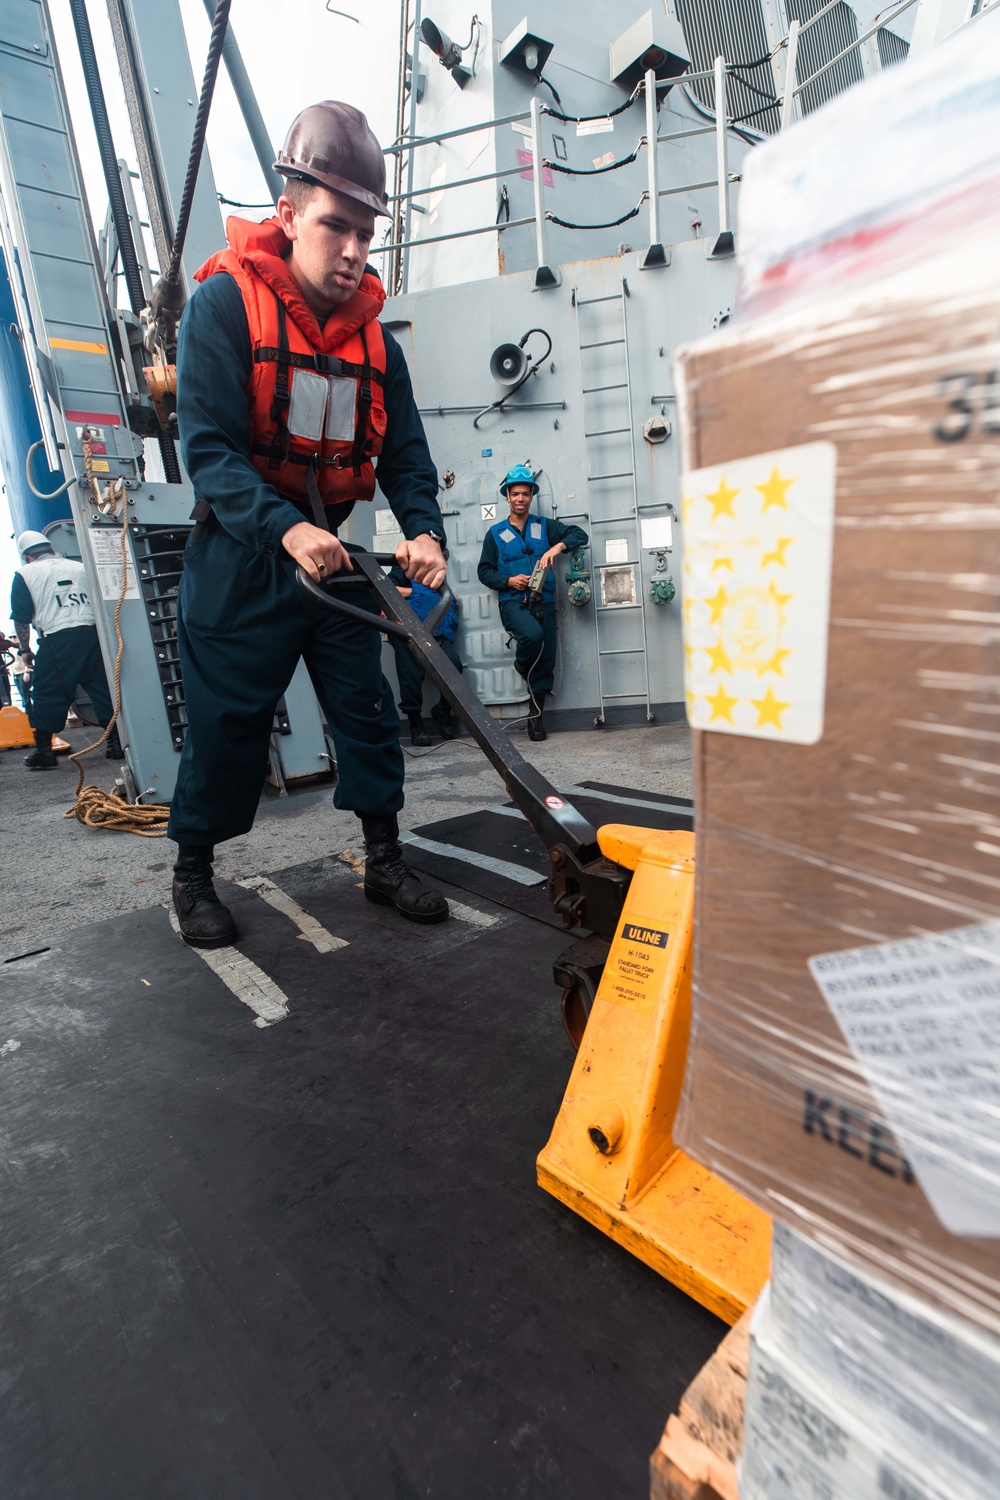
60, 593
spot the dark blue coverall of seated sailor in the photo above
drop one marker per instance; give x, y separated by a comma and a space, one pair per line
409, 671
510, 552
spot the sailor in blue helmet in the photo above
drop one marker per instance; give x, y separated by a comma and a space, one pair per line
511, 551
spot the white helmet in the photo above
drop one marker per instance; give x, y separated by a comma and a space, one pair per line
32, 541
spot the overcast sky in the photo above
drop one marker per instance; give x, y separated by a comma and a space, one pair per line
295, 54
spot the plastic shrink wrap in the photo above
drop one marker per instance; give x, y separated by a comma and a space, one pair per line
859, 1390
842, 634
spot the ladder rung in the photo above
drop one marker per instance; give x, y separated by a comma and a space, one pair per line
610, 432
589, 301
623, 651
589, 390
611, 520
615, 608
602, 344
621, 474
625, 695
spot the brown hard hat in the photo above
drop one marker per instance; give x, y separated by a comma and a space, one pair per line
332, 143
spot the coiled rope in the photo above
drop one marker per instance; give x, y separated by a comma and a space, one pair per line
93, 807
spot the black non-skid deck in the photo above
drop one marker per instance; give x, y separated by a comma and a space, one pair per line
471, 850
310, 1258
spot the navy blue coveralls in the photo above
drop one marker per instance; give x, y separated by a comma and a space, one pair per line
64, 661
408, 670
242, 622
508, 552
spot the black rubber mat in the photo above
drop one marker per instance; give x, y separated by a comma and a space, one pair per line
310, 1260
499, 836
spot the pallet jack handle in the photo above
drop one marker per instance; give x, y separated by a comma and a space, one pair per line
585, 889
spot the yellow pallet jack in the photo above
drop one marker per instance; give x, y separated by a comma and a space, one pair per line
626, 1000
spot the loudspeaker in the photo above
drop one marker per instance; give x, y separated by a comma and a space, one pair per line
508, 364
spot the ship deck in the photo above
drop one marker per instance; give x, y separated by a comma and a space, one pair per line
254, 1254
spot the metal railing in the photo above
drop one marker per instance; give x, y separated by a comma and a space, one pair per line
655, 253
793, 90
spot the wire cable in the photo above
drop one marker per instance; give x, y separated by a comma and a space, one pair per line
220, 23
611, 166
234, 203
589, 119
611, 223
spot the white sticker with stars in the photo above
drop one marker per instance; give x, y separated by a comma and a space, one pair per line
758, 548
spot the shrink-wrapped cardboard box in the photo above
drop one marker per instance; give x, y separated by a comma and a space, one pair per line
841, 529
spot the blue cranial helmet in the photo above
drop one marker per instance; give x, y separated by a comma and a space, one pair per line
519, 474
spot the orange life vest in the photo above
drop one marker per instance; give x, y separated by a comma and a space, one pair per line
316, 394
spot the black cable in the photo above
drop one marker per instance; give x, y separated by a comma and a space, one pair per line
736, 119
109, 160
612, 166
233, 203
116, 199
586, 119
541, 78
220, 23
531, 370
611, 224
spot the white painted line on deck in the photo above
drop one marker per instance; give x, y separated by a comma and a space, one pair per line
507, 812
505, 867
468, 914
241, 975
588, 791
310, 930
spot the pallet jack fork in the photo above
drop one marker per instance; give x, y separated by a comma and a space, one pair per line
626, 1000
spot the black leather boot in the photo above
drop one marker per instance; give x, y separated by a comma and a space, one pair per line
418, 730
43, 757
390, 881
113, 746
204, 921
443, 718
536, 724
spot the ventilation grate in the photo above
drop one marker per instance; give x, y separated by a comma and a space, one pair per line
819, 45
736, 32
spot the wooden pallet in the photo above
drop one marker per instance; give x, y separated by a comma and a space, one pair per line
696, 1456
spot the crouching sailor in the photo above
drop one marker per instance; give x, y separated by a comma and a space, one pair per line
52, 593
291, 396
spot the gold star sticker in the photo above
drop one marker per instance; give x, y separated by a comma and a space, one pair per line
718, 657
723, 562
778, 555
774, 490
769, 709
774, 665
717, 604
689, 604
722, 500
722, 705
689, 655
780, 599
687, 501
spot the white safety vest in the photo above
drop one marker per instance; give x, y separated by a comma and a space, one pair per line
60, 593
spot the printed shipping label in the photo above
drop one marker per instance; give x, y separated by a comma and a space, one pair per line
758, 547
106, 547
637, 965
922, 1017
